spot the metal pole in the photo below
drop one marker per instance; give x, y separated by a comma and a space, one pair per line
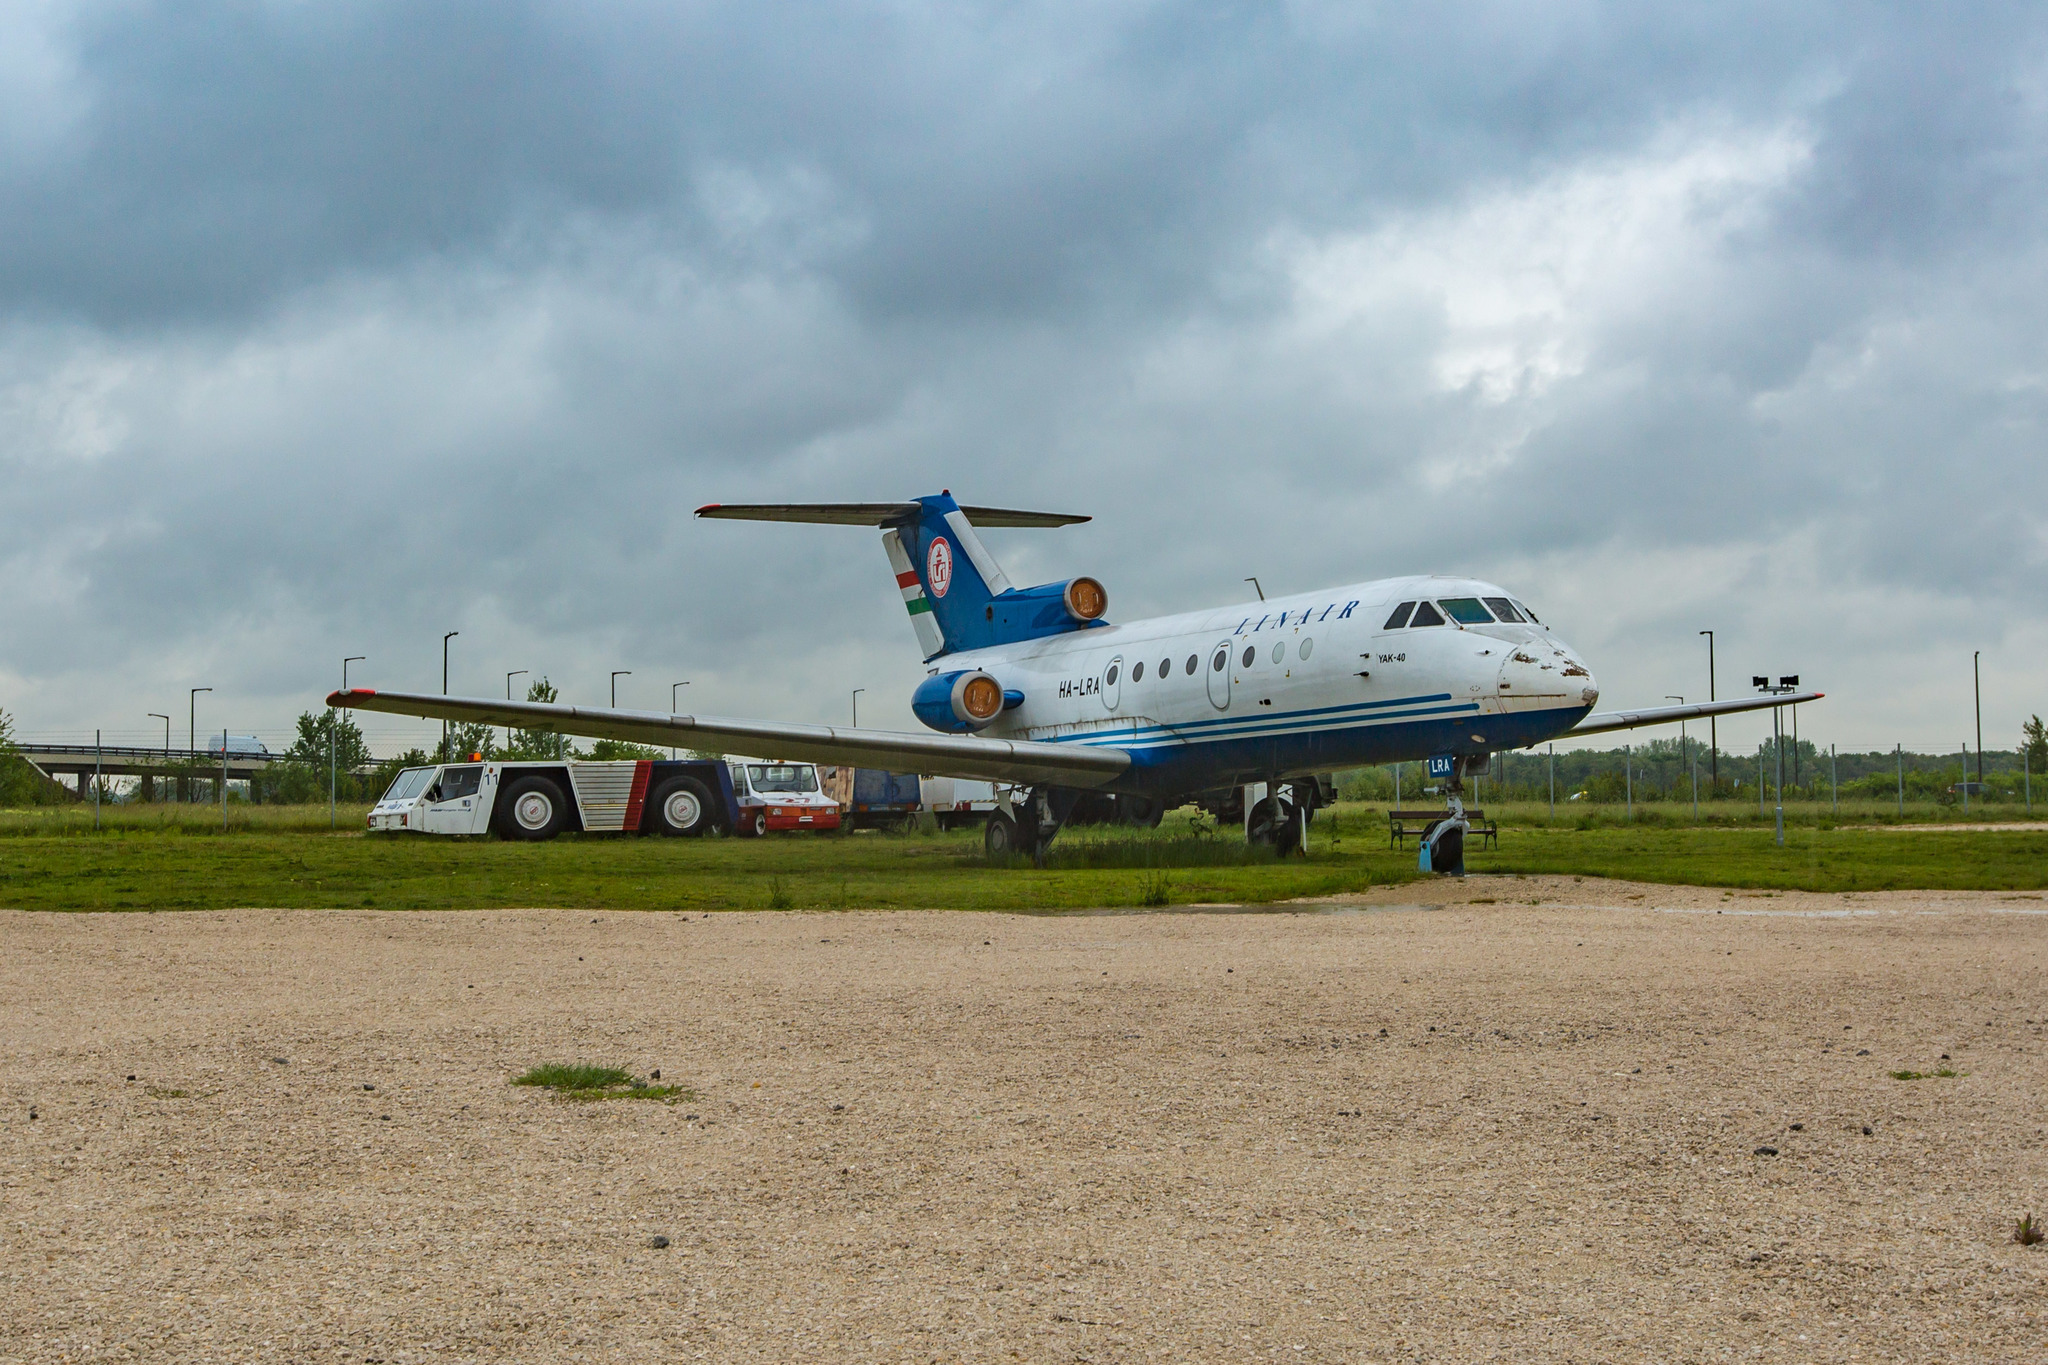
1834, 781
1778, 740
1397, 786
1977, 691
515, 673
223, 781
617, 674
672, 707
856, 706
1713, 730
1899, 753
95, 779
1965, 783
192, 724
1795, 749
444, 688
1553, 782
158, 715
1628, 771
2027, 772
1762, 786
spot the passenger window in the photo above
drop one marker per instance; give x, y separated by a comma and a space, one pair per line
1221, 661
1250, 652
1191, 665
1400, 616
1426, 615
1526, 612
1138, 671
1307, 646
1166, 668
1279, 651
1466, 611
1109, 678
1504, 609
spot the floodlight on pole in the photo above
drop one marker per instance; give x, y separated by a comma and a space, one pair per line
1977, 691
1788, 683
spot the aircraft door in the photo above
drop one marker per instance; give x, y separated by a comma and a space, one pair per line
1218, 664
1112, 682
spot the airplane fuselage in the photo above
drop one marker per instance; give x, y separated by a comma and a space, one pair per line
1294, 685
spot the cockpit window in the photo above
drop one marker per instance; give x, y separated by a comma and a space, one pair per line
1466, 611
1400, 616
1426, 615
457, 783
1526, 612
782, 777
409, 784
1504, 609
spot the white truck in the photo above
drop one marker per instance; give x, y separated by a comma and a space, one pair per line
777, 796
533, 800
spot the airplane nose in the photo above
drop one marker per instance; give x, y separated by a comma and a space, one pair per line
1543, 675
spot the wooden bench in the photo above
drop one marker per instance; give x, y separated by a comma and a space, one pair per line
1405, 824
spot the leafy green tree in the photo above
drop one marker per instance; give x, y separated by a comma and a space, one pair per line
316, 732
393, 766
472, 738
2036, 738
622, 748
531, 744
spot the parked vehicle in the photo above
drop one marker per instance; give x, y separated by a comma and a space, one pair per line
540, 799
238, 746
780, 796
957, 801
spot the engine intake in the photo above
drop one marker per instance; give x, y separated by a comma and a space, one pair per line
957, 702
1085, 599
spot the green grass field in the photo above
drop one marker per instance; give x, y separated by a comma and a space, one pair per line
176, 858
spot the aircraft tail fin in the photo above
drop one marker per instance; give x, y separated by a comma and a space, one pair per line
951, 585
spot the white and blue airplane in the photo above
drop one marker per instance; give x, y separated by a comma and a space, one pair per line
1037, 687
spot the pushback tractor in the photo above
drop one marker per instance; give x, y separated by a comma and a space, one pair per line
538, 800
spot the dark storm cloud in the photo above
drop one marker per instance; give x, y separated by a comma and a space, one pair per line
343, 324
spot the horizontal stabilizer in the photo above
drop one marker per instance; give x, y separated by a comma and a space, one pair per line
1600, 722
969, 756
875, 514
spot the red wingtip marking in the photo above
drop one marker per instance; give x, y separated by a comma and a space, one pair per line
709, 507
335, 697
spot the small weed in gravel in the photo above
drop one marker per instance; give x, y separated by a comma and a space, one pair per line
2025, 1233
578, 1081
1940, 1072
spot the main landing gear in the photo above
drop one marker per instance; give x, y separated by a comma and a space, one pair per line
1024, 828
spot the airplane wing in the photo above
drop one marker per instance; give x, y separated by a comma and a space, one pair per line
1600, 722
969, 756
875, 513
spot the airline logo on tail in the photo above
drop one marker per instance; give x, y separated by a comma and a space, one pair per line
938, 566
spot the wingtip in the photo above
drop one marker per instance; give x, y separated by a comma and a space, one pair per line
336, 698
708, 507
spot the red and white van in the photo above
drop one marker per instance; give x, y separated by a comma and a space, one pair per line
775, 796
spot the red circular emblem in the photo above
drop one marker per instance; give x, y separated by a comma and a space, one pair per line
938, 566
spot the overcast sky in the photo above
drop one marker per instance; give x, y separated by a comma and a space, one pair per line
325, 329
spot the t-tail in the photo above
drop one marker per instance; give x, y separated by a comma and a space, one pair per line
957, 595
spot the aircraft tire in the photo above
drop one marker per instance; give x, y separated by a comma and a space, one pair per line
1001, 838
1275, 825
1141, 812
679, 808
532, 809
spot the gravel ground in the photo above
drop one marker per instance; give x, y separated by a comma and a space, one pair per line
1513, 1119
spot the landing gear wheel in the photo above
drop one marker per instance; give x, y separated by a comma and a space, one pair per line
531, 809
1001, 838
1275, 824
680, 807
1141, 812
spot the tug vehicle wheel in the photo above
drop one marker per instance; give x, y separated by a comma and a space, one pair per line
681, 807
760, 825
531, 809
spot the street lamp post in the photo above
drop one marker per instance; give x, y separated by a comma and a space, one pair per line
617, 674
333, 738
1785, 684
856, 706
1713, 729
515, 673
672, 689
1977, 690
158, 715
192, 722
444, 688
1685, 751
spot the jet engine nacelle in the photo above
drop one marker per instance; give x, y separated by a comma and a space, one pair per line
965, 699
